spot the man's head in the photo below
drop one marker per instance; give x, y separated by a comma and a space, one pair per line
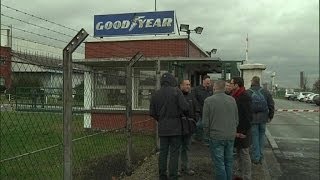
168, 79
228, 87
206, 81
236, 83
255, 81
185, 86
219, 85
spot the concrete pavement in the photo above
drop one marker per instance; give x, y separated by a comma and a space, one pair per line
294, 138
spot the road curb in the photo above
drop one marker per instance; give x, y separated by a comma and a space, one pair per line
271, 140
271, 165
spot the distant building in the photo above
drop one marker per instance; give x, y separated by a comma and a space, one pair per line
5, 67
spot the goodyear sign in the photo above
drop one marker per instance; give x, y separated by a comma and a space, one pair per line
160, 22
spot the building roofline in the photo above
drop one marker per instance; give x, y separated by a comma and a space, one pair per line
139, 38
149, 38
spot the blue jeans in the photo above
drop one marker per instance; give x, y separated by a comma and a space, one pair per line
258, 138
222, 157
169, 145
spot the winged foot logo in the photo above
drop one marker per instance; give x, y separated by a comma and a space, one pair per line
136, 22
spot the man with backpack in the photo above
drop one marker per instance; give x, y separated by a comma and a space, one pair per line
243, 137
262, 112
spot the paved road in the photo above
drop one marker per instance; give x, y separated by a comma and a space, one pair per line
296, 139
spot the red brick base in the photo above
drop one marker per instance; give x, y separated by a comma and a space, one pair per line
112, 121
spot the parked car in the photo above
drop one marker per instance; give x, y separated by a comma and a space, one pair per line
293, 97
301, 95
316, 100
306, 97
288, 94
310, 98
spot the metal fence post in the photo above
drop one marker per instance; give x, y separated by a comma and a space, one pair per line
67, 101
158, 76
129, 88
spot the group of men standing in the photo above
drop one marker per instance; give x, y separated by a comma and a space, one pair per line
224, 116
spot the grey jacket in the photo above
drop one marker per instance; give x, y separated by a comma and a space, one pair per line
167, 105
220, 116
262, 117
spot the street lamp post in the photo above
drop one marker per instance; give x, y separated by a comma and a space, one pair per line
185, 28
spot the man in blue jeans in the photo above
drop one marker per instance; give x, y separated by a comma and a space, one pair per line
263, 111
220, 120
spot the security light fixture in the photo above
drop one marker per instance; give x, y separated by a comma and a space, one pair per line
213, 51
198, 30
184, 27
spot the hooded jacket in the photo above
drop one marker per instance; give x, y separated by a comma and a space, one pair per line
167, 105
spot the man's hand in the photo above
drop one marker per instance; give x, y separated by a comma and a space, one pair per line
269, 120
240, 135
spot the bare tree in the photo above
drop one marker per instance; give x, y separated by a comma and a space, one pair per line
316, 86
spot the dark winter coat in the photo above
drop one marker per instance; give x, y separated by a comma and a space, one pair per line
189, 122
201, 93
167, 105
245, 117
263, 117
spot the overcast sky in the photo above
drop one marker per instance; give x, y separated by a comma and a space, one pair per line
283, 34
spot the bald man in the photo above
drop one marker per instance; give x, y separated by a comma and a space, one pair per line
220, 118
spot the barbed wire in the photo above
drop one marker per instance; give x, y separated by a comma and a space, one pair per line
20, 20
41, 35
125, 48
87, 48
37, 17
40, 43
28, 47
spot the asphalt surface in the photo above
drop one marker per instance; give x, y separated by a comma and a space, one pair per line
294, 138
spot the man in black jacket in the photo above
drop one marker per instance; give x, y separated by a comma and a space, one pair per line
242, 141
188, 126
166, 106
201, 92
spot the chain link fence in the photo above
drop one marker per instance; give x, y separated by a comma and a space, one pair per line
32, 121
32, 102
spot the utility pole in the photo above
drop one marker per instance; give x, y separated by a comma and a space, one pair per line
247, 46
0, 21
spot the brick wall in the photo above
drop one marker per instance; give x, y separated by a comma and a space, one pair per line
149, 48
5, 66
112, 121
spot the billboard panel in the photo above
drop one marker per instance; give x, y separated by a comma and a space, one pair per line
160, 22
